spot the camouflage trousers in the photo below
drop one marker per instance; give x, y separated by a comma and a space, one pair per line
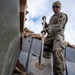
55, 45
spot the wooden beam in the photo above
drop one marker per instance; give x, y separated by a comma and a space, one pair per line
23, 2
23, 6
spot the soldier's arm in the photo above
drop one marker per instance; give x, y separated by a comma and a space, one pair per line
60, 24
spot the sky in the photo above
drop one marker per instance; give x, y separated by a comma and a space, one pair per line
39, 8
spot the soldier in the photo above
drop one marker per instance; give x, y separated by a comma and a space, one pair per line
54, 42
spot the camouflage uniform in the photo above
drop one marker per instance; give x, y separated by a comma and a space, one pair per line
54, 42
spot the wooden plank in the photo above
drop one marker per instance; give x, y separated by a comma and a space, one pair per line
22, 8
23, 1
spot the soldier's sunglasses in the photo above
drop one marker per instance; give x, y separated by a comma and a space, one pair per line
55, 7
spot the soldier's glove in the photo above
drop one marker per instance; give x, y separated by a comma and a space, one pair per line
45, 24
43, 31
43, 17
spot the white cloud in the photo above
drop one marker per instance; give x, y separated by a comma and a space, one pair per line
40, 8
37, 8
34, 26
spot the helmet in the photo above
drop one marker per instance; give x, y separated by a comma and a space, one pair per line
57, 3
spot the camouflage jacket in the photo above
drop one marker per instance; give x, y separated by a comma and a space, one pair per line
57, 24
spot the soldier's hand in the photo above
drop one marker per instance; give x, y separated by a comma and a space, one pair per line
44, 30
43, 17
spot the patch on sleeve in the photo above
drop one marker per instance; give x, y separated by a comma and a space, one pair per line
62, 17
